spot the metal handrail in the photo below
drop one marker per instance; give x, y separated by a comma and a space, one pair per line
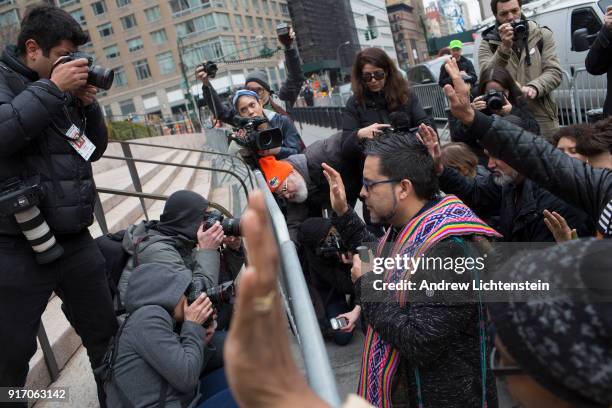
101, 218
318, 370
187, 149
188, 166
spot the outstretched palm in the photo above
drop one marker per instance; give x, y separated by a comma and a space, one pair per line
337, 193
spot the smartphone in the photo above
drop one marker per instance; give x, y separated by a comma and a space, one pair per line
338, 323
604, 4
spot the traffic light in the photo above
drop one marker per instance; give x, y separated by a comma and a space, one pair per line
367, 35
370, 35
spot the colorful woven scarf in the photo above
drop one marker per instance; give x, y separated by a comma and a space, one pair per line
449, 217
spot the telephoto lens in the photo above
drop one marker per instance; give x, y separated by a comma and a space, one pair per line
37, 231
20, 201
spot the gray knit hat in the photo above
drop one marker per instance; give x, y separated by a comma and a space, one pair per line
260, 77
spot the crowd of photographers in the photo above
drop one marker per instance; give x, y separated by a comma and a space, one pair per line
154, 304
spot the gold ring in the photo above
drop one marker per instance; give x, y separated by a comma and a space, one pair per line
263, 304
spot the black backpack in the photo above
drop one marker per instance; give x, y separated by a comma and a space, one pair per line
111, 246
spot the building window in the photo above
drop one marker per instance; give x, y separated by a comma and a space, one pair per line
99, 7
9, 18
120, 78
63, 3
108, 111
284, 9
250, 23
127, 107
265, 6
142, 69
79, 16
245, 4
128, 22
111, 52
165, 62
135, 44
105, 30
271, 25
152, 14
260, 23
235, 4
216, 48
255, 5
159, 37
123, 3
239, 22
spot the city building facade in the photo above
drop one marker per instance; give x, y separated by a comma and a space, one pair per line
405, 17
144, 42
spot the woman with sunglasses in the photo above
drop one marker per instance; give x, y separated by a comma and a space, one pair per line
381, 96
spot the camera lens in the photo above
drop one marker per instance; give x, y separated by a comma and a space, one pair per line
101, 77
495, 103
231, 227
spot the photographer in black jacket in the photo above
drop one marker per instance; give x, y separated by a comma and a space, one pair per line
51, 128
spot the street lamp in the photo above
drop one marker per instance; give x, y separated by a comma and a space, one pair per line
338, 55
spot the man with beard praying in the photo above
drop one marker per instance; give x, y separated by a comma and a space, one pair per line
520, 202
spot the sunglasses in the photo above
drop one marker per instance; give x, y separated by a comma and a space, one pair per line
377, 75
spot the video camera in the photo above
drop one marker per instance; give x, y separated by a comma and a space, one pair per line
231, 226
257, 140
97, 75
20, 200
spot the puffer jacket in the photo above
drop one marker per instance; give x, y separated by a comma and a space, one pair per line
147, 245
544, 73
32, 112
518, 221
572, 180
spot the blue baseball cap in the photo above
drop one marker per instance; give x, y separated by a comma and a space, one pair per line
244, 92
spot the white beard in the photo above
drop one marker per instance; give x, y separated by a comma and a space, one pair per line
302, 191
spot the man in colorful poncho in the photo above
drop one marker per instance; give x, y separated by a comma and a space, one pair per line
423, 348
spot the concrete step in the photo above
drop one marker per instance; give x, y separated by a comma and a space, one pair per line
130, 209
78, 378
64, 342
119, 178
184, 180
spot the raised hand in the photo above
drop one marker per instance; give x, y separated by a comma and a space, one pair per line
337, 192
458, 94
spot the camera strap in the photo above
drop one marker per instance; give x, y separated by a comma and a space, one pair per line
76, 137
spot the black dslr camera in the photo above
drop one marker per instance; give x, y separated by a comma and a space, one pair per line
494, 99
210, 68
332, 246
98, 76
520, 28
20, 200
231, 226
257, 140
224, 293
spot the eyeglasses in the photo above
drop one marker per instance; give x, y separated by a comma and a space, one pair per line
369, 184
377, 75
258, 91
502, 370
284, 187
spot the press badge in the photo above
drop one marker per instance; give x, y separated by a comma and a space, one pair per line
80, 142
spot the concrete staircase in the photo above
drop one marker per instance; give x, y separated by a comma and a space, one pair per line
120, 212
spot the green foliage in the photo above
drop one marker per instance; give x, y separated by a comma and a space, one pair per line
126, 130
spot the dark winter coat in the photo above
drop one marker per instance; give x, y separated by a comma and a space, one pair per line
517, 222
599, 61
576, 182
464, 65
34, 114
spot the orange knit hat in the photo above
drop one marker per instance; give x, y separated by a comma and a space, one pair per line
274, 171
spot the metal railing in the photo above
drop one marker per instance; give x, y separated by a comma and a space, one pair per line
318, 370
